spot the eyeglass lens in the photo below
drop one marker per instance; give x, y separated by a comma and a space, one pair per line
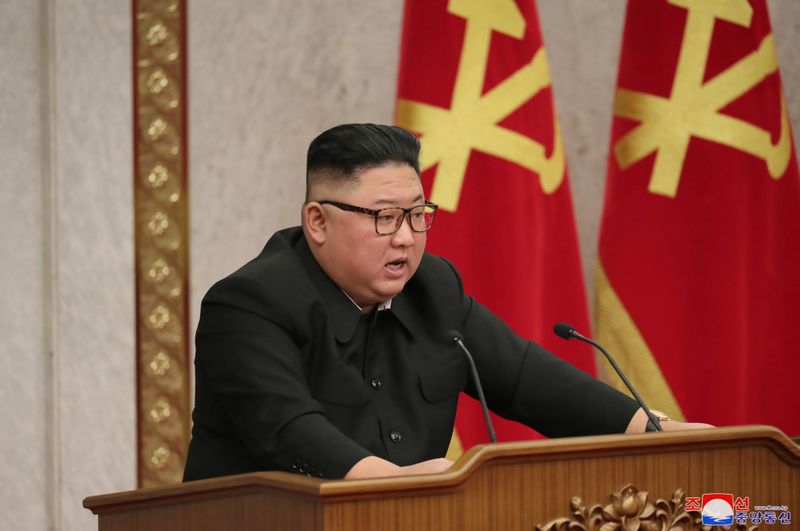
388, 220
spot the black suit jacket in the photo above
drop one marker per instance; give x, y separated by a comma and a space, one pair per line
273, 391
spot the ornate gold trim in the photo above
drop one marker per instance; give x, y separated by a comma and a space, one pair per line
630, 509
161, 239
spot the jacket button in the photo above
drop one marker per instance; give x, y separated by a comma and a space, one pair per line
396, 436
375, 383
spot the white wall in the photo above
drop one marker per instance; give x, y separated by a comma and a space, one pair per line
67, 319
23, 360
266, 77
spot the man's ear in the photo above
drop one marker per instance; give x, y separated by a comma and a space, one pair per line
315, 222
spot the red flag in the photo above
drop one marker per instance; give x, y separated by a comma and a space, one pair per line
697, 285
475, 84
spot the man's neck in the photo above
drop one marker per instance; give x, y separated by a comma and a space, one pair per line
369, 309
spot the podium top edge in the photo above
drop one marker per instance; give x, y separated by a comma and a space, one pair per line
598, 445
473, 460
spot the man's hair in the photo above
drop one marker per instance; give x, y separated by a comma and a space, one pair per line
337, 155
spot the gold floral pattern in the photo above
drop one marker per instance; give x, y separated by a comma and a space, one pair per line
161, 219
631, 510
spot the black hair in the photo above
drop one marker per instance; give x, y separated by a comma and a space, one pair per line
340, 153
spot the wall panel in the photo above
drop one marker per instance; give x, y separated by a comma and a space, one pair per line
90, 112
23, 360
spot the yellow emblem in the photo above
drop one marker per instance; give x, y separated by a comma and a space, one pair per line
449, 135
693, 107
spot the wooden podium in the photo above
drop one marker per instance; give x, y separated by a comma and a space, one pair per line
553, 484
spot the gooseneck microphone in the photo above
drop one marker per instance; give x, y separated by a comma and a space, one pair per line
567, 332
458, 339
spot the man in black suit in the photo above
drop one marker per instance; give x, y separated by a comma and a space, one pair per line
327, 354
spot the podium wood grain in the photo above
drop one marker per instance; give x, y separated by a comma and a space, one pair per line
511, 486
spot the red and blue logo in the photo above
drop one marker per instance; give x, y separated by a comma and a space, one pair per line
723, 509
717, 509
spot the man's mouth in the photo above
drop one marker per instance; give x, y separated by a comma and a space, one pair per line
397, 265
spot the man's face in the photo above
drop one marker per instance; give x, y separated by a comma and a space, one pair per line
369, 267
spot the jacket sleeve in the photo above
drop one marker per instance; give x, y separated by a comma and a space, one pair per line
524, 382
255, 374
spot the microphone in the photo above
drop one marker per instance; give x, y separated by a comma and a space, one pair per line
458, 339
567, 332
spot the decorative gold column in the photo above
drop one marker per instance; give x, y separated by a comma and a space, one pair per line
162, 242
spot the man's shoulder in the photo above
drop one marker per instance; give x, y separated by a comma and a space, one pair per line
278, 272
436, 276
280, 257
436, 266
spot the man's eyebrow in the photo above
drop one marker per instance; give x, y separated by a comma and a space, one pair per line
393, 202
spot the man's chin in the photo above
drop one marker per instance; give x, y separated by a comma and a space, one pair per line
389, 289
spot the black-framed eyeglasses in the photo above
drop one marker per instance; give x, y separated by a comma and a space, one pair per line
389, 220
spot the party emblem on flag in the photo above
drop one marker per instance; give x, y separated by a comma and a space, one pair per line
695, 105
717, 509
471, 122
702, 191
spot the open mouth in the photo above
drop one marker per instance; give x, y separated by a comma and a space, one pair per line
397, 265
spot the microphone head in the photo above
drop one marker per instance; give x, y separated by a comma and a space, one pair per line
454, 335
563, 330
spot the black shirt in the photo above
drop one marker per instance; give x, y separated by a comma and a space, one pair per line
290, 375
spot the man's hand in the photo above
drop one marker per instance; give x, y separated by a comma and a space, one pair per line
375, 467
431, 466
638, 424
674, 425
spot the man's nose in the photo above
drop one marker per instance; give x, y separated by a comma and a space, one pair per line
405, 234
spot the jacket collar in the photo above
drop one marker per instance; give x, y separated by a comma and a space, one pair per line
341, 310
405, 311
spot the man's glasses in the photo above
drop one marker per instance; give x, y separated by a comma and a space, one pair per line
389, 220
